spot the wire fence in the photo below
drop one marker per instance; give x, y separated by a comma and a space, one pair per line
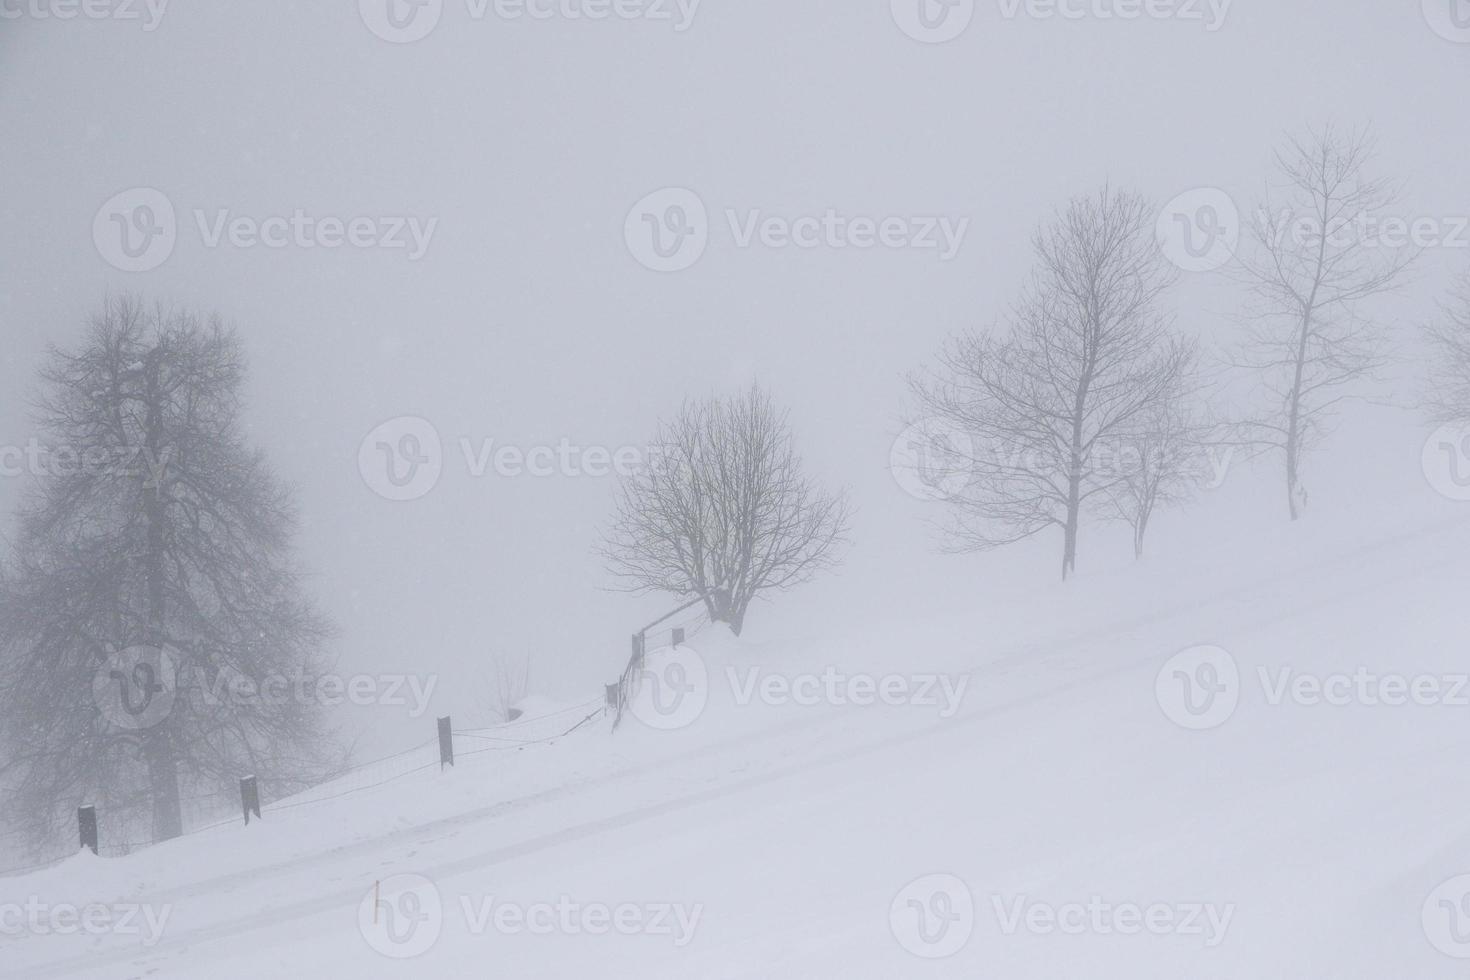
203, 811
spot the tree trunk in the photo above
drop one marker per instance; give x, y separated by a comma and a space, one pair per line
158, 749
1074, 516
1294, 414
163, 785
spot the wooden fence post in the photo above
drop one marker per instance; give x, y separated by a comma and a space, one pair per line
678, 636
612, 695
87, 823
250, 798
638, 650
446, 744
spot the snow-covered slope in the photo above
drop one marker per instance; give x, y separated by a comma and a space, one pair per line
1039, 787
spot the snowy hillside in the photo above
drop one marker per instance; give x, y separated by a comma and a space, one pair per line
1042, 789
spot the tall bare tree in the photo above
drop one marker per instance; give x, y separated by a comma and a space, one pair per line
1318, 255
152, 585
1086, 355
1449, 346
723, 511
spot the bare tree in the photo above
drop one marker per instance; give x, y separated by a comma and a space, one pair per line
153, 617
506, 683
1085, 358
1162, 462
723, 511
1317, 258
1449, 344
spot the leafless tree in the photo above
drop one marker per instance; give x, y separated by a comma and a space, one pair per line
1318, 256
723, 511
1162, 462
1449, 344
506, 683
1085, 357
154, 528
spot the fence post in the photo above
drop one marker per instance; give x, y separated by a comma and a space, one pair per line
87, 823
612, 695
250, 798
638, 645
446, 744
678, 636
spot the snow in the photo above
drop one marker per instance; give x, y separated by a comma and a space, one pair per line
786, 840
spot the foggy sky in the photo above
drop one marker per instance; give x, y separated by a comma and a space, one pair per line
528, 321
